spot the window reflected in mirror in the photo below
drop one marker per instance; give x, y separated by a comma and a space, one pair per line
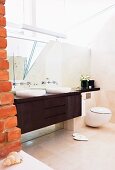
22, 54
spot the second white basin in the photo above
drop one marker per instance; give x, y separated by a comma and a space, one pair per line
54, 90
30, 92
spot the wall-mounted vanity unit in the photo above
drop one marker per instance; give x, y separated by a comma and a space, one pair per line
38, 112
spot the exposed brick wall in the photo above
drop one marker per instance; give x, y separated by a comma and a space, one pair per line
5, 86
3, 43
2, 1
3, 53
2, 9
9, 134
2, 21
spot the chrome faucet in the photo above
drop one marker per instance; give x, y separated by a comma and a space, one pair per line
54, 82
25, 83
49, 82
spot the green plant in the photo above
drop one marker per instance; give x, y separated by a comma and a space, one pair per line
84, 77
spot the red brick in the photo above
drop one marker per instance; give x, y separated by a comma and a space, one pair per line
10, 147
1, 125
13, 134
2, 137
2, 21
5, 86
6, 98
4, 64
3, 54
2, 1
4, 75
3, 42
3, 32
6, 111
2, 145
2, 9
10, 122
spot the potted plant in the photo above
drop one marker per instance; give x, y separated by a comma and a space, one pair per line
84, 81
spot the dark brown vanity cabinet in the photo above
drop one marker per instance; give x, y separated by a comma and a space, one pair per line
38, 112
73, 106
30, 115
54, 110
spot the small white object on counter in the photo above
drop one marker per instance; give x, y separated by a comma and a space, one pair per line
28, 163
79, 137
58, 89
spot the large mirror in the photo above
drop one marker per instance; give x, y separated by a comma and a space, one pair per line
35, 54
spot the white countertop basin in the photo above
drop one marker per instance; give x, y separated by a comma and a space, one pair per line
30, 92
55, 90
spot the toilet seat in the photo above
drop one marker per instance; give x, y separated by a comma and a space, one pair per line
98, 116
100, 110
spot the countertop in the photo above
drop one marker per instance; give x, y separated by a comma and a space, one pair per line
89, 90
49, 95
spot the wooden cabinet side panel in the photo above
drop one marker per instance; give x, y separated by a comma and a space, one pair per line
30, 116
74, 105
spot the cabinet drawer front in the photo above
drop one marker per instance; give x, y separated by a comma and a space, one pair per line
56, 119
55, 111
55, 102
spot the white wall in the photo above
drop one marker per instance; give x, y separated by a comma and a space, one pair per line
103, 65
84, 32
14, 11
61, 62
76, 61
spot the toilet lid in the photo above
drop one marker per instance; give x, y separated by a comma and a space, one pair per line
100, 110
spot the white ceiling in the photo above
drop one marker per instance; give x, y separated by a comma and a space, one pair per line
86, 18
80, 20
78, 11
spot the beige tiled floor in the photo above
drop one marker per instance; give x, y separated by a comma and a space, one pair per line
61, 152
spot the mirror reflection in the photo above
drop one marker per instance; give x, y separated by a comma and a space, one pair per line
22, 53
25, 42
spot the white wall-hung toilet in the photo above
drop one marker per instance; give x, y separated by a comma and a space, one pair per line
97, 116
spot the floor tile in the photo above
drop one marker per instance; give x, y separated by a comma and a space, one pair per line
61, 152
